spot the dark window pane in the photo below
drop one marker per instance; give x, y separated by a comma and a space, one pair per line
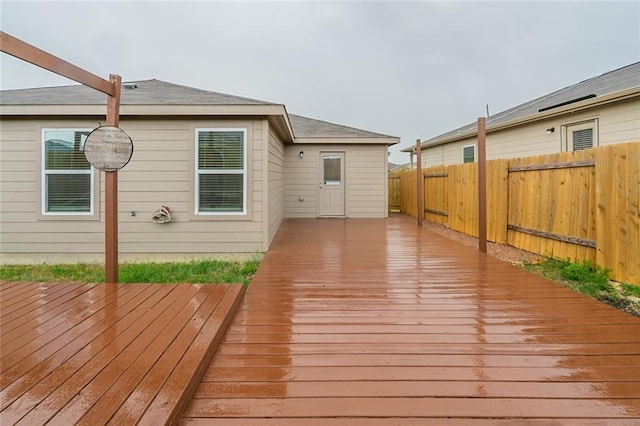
68, 193
221, 193
468, 154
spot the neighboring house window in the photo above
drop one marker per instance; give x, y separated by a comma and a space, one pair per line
221, 171
581, 135
469, 154
67, 177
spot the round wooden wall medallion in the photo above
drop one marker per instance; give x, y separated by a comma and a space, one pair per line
108, 148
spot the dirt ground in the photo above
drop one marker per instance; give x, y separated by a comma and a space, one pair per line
501, 251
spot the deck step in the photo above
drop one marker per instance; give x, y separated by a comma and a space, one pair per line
177, 391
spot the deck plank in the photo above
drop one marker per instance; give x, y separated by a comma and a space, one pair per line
80, 360
377, 322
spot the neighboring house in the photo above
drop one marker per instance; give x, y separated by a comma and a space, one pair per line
228, 168
599, 111
399, 167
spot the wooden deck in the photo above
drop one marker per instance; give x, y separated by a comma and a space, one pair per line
94, 353
376, 322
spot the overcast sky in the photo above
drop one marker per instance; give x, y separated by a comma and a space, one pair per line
408, 69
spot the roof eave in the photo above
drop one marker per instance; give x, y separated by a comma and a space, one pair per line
155, 110
348, 140
144, 110
578, 106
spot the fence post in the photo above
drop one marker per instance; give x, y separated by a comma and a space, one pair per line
420, 182
482, 185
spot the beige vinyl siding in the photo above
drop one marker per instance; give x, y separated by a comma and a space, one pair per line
620, 123
301, 180
365, 180
19, 173
276, 184
161, 172
616, 123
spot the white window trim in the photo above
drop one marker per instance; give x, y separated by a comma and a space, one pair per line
43, 176
591, 123
475, 155
244, 172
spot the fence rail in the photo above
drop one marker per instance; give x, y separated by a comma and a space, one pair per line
581, 205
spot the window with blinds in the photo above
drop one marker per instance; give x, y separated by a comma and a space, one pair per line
67, 177
221, 171
582, 139
468, 154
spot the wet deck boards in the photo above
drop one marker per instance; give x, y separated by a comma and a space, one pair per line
93, 353
374, 322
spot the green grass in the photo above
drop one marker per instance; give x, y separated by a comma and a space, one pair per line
591, 281
200, 271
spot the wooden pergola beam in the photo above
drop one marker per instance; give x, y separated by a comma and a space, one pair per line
26, 52
112, 88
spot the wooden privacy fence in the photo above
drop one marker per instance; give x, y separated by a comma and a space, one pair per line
394, 192
581, 205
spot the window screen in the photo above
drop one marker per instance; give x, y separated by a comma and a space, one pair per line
221, 171
67, 176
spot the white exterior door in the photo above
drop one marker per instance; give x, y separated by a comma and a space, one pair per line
331, 197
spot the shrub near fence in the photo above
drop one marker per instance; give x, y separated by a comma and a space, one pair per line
579, 205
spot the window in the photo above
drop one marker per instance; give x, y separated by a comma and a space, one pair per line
582, 139
221, 171
469, 154
67, 177
581, 136
332, 170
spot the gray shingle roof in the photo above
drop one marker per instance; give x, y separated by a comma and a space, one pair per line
157, 92
614, 81
304, 127
146, 92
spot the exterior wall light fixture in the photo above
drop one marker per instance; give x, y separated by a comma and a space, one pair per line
301, 154
551, 130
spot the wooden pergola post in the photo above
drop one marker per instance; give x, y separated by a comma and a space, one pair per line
111, 193
112, 88
420, 182
482, 185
